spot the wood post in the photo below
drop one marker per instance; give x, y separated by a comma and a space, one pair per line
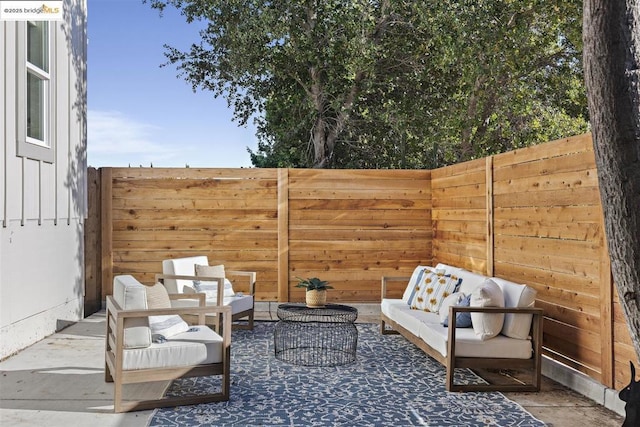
283, 235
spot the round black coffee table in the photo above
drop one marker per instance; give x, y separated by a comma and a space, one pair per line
324, 336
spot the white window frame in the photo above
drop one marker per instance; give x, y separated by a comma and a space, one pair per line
27, 146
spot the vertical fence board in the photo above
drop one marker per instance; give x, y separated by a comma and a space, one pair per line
283, 235
106, 231
490, 226
606, 316
92, 244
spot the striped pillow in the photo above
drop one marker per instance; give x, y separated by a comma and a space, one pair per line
413, 285
210, 288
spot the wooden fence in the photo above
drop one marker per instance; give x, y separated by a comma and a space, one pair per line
531, 216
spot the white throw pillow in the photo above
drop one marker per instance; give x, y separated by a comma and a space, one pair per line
488, 294
164, 326
210, 288
516, 295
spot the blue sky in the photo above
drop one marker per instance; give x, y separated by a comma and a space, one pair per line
141, 114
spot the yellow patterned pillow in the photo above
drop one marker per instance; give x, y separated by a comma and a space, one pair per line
432, 289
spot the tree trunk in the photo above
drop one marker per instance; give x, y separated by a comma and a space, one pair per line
611, 35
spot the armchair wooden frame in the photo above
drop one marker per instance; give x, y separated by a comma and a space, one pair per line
114, 353
235, 317
451, 361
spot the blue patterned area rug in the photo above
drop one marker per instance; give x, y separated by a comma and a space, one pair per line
391, 383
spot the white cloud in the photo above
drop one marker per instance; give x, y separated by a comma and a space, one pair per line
111, 132
117, 140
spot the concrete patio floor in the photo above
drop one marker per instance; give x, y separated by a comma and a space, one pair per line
59, 381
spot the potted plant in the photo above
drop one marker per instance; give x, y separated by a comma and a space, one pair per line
316, 295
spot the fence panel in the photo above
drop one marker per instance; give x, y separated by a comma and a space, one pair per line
460, 215
351, 227
230, 215
548, 234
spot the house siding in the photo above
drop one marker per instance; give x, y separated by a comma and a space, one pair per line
43, 205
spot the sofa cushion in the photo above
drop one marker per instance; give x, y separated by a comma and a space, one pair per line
433, 289
198, 346
463, 319
470, 280
427, 327
468, 344
130, 294
209, 287
182, 267
516, 295
157, 296
401, 313
414, 280
487, 325
165, 326
238, 303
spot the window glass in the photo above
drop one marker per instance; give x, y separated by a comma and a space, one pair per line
36, 101
38, 44
37, 82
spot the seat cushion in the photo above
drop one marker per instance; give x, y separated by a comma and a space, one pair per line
400, 312
238, 303
469, 344
427, 326
185, 349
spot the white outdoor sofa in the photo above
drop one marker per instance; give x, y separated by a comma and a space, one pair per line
505, 335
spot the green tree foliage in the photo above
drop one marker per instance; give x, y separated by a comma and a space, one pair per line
389, 83
520, 77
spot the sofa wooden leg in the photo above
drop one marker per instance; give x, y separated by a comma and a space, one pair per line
387, 331
250, 320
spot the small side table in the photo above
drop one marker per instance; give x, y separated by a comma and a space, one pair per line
316, 336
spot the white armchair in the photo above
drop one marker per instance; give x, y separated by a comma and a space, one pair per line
179, 276
150, 344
